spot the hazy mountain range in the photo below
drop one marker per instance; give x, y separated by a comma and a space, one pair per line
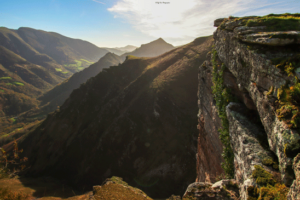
121, 50
33, 62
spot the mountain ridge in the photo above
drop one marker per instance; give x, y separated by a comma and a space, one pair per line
151, 49
112, 101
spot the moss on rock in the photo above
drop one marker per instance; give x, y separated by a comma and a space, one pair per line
268, 188
222, 98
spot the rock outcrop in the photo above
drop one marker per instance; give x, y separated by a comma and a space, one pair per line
246, 138
255, 62
256, 73
222, 190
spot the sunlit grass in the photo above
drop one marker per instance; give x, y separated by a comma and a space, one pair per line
58, 69
13, 120
86, 61
5, 78
78, 65
18, 83
284, 22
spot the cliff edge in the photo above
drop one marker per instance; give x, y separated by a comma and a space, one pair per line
248, 97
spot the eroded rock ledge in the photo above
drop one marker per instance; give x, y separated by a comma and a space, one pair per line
258, 59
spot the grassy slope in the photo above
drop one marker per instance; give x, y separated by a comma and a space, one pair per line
62, 49
136, 120
17, 67
31, 63
12, 41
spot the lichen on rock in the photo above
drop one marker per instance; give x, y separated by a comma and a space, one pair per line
246, 138
253, 67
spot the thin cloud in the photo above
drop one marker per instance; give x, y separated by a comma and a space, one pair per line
187, 19
98, 2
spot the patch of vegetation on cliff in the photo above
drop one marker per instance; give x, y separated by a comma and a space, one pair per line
6, 194
288, 100
222, 98
288, 105
268, 187
273, 22
288, 64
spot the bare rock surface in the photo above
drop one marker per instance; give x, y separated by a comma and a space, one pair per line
248, 152
279, 38
256, 74
294, 193
225, 190
209, 146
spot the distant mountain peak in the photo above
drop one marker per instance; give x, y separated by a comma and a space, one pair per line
160, 41
130, 46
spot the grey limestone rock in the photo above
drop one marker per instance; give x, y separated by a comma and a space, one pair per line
294, 193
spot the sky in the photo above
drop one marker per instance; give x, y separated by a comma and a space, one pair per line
117, 23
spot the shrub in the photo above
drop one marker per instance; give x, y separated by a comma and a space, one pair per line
6, 194
14, 162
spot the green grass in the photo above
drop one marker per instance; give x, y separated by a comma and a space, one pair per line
9, 84
130, 57
222, 98
79, 64
64, 72
267, 187
58, 69
284, 22
13, 120
5, 78
18, 83
1, 90
89, 62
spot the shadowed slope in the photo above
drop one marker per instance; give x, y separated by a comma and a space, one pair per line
60, 93
136, 120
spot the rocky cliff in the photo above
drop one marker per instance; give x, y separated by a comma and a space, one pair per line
249, 98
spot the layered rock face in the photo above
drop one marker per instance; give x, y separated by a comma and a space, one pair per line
209, 146
294, 192
258, 63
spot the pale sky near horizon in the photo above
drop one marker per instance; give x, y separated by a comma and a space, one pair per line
117, 23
